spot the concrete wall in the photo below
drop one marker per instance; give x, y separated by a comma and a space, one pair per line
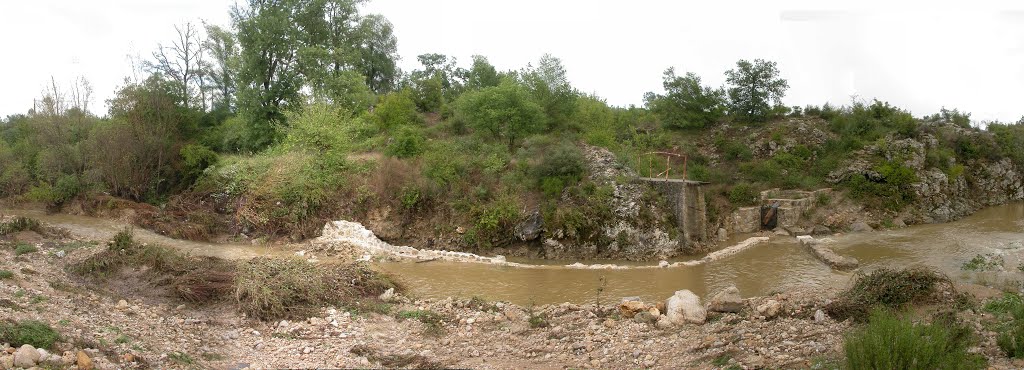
688, 206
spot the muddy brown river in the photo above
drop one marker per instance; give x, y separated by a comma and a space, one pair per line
775, 266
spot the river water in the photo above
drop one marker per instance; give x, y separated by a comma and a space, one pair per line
774, 266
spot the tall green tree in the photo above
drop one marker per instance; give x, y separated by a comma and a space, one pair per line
686, 103
269, 79
753, 89
378, 53
505, 112
443, 68
222, 68
482, 74
549, 84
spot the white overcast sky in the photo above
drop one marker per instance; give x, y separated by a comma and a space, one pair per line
917, 56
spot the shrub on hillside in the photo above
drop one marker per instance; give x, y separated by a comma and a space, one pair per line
743, 195
561, 166
320, 127
892, 342
195, 159
396, 109
407, 142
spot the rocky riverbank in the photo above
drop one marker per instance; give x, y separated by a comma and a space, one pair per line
132, 322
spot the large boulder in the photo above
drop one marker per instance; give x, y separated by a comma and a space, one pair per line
26, 356
530, 228
727, 300
860, 227
684, 307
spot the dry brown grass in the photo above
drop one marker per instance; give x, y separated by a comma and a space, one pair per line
268, 288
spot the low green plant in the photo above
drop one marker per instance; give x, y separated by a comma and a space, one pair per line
23, 248
181, 358
743, 194
35, 333
20, 224
6, 274
892, 342
984, 262
536, 320
433, 321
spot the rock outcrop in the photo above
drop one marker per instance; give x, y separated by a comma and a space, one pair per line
939, 196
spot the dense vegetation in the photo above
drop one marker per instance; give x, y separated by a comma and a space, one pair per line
299, 113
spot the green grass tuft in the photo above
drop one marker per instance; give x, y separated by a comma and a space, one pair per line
892, 342
36, 333
22, 248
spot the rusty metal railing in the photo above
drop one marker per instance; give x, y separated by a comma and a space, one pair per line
668, 164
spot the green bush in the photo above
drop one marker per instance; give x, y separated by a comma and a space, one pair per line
408, 142
195, 159
733, 149
891, 342
1009, 310
892, 192
35, 333
396, 109
743, 195
983, 263
20, 223
494, 222
563, 166
6, 274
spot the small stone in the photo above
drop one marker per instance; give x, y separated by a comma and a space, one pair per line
609, 323
128, 357
307, 350
663, 264
630, 308
122, 305
68, 358
180, 307
83, 361
770, 308
388, 295
282, 324
819, 316
663, 323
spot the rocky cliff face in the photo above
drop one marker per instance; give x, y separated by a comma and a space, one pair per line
940, 197
638, 230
